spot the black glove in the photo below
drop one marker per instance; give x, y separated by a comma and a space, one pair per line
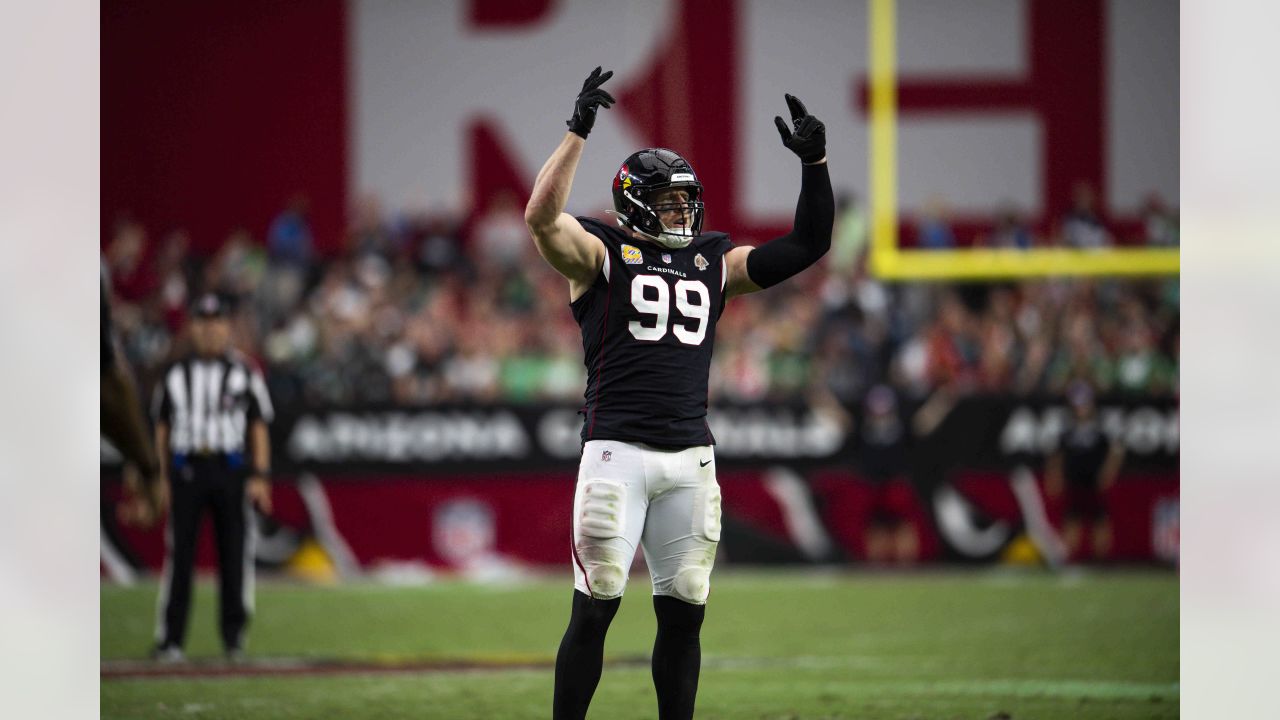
589, 100
809, 140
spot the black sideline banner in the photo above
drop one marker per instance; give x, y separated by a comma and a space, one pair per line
977, 432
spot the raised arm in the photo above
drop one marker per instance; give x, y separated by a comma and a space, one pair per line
752, 269
559, 237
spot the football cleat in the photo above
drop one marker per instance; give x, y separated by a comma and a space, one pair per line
168, 655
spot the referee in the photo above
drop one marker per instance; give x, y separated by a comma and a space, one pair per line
206, 407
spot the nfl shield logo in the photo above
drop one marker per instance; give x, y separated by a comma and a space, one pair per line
666, 257
606, 456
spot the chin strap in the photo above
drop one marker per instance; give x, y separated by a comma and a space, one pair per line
625, 222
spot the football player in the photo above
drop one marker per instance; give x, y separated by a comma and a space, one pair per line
647, 291
123, 424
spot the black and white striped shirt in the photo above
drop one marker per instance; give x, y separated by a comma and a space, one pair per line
209, 402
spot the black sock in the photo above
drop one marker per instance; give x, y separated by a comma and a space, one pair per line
677, 656
581, 656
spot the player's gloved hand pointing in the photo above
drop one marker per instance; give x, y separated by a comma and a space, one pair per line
809, 141
589, 100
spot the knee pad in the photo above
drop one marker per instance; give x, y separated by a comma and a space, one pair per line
602, 516
693, 583
606, 580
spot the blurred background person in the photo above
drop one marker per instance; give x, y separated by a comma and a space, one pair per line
122, 424
891, 534
1079, 474
1082, 227
849, 238
934, 231
211, 410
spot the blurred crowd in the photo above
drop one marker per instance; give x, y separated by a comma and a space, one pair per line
442, 307
1082, 227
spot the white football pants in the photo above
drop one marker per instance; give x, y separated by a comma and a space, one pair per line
666, 501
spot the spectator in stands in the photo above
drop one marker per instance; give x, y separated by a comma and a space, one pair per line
954, 347
1140, 369
1011, 231
1032, 373
500, 235
370, 234
849, 237
1080, 356
742, 371
435, 239
472, 372
238, 268
1160, 225
934, 232
564, 375
1000, 349
132, 280
289, 238
175, 274
401, 316
1081, 226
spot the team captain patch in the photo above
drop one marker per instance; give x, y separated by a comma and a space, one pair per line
631, 255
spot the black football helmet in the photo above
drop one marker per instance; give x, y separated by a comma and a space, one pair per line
636, 186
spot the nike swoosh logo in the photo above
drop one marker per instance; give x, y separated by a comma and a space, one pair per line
703, 464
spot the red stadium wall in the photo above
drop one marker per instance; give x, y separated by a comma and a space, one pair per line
392, 519
402, 488
214, 115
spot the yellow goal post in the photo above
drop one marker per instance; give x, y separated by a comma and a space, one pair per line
891, 262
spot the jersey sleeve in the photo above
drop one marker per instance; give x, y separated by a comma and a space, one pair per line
260, 407
601, 231
719, 245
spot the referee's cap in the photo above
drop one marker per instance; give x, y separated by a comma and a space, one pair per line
210, 305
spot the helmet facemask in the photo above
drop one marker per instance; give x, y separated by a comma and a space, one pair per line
646, 216
644, 190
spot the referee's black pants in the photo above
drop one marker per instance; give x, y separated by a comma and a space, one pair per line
207, 484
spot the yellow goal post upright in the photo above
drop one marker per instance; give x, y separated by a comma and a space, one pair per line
890, 262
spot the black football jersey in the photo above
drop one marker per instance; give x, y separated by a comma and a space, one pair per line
1084, 449
648, 328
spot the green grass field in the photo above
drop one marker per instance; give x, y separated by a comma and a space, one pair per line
775, 645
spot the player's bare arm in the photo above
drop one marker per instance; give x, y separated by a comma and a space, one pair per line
160, 492
258, 487
123, 424
560, 239
753, 269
